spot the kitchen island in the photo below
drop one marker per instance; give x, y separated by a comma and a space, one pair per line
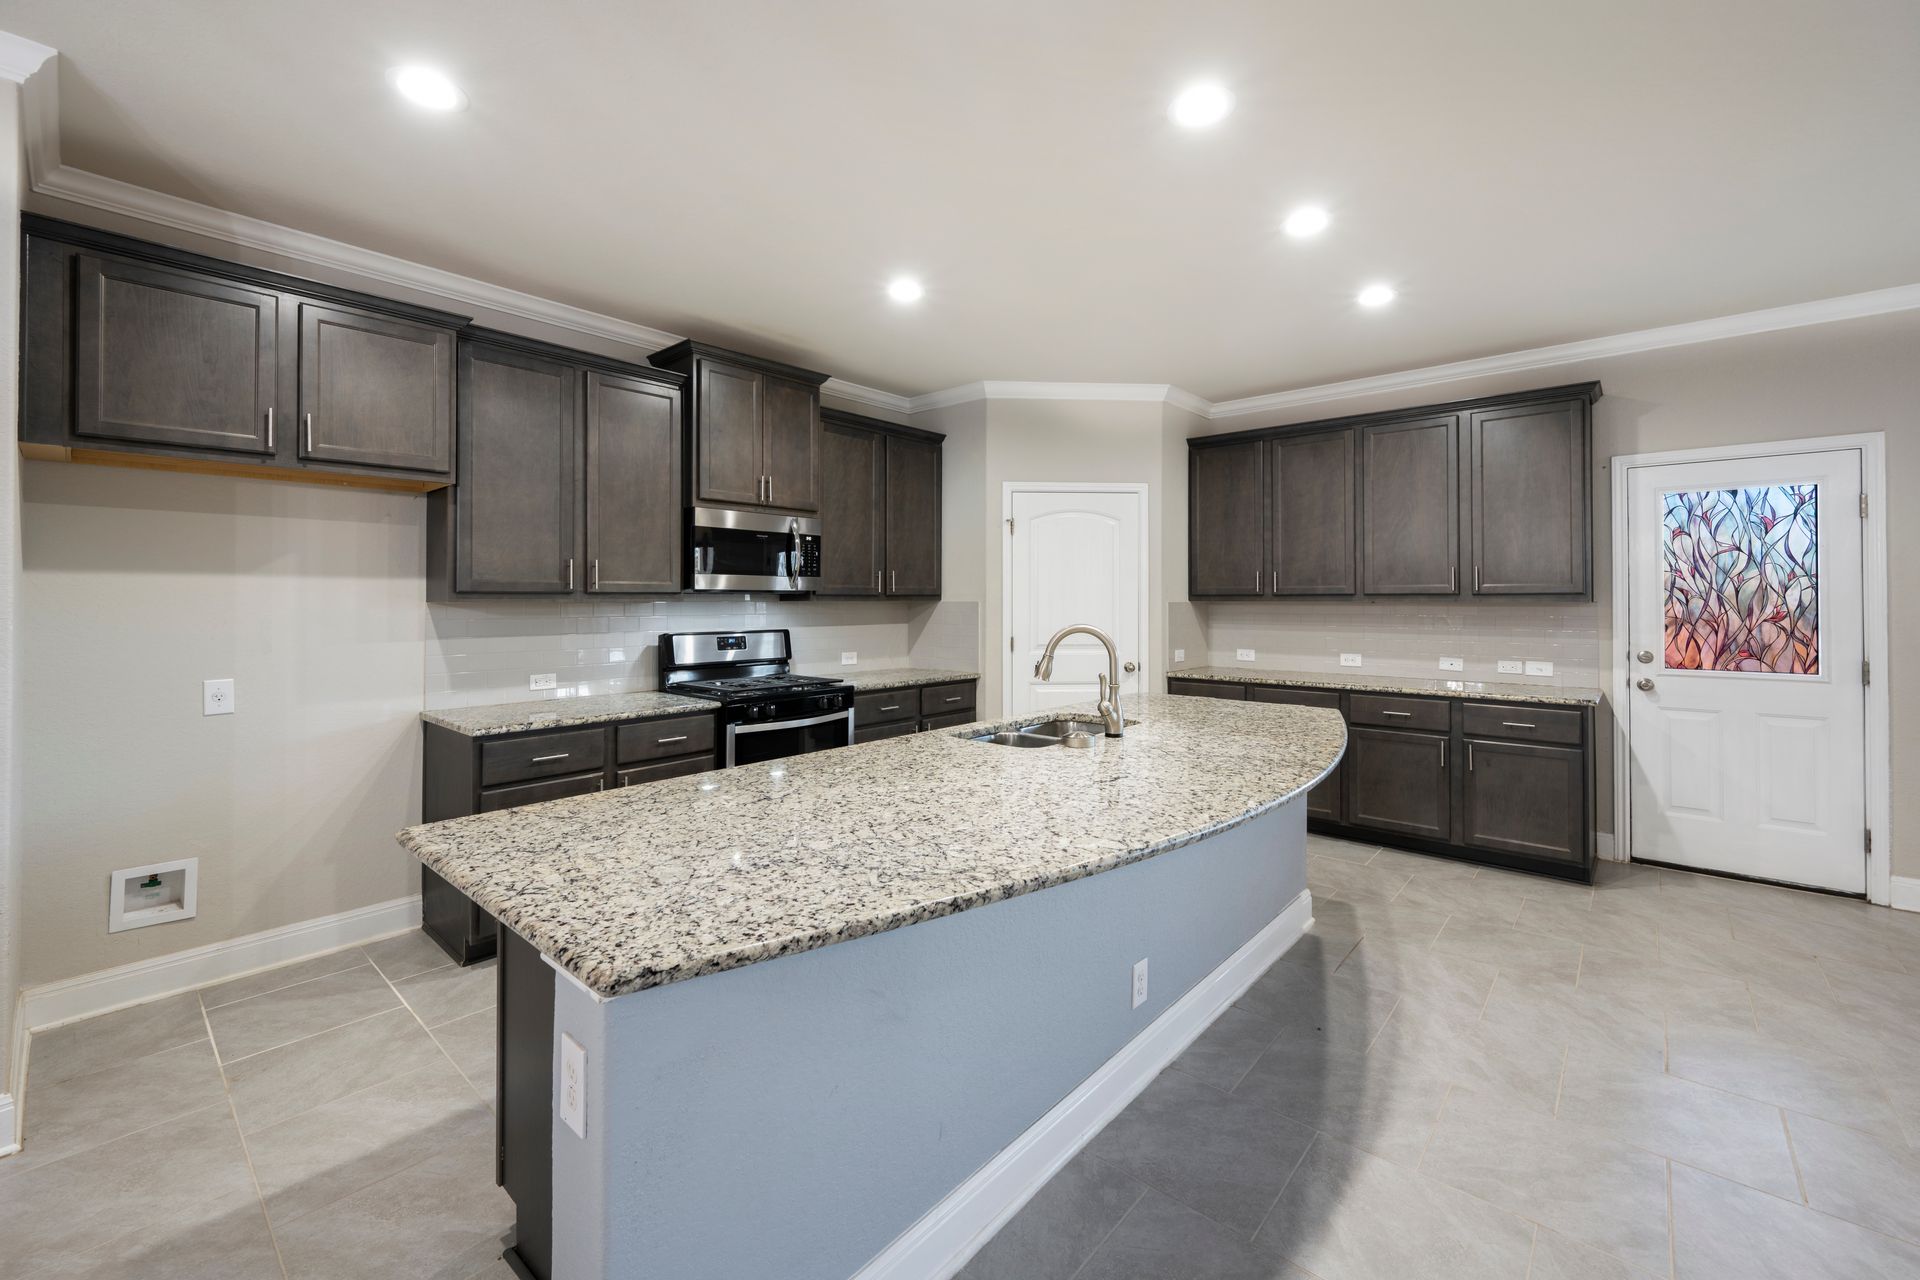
780, 1076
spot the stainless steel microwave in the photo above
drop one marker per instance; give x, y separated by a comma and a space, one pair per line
733, 550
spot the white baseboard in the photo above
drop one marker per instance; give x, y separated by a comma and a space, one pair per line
1603, 847
9, 1125
1906, 893
943, 1241
71, 999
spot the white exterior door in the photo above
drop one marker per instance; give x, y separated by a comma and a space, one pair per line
1075, 555
1745, 700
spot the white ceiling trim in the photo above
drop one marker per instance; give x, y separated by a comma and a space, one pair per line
1154, 392
21, 57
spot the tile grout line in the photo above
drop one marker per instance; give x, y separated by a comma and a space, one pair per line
246, 1153
1560, 1085
273, 991
1281, 1194
1101, 1242
1673, 1264
351, 1022
1794, 1155
494, 1105
1533, 1248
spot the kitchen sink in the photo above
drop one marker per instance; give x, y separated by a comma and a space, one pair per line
1048, 733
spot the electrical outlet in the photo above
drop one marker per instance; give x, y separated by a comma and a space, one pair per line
1179, 655
1140, 982
1349, 659
848, 658
1243, 655
573, 1085
1452, 664
546, 681
1539, 668
216, 697
1510, 666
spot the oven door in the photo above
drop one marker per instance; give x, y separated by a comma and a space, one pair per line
752, 551
752, 743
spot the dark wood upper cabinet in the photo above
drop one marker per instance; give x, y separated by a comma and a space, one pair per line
569, 476
633, 511
791, 412
853, 487
165, 356
1399, 781
728, 437
516, 506
1315, 492
913, 516
375, 391
1227, 498
753, 428
1410, 507
1529, 498
880, 521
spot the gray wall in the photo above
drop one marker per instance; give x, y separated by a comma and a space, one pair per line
788, 1120
11, 177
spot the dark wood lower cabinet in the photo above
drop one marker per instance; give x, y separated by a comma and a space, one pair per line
523, 1087
1509, 784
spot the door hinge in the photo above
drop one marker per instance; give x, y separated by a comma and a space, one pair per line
1866, 671
1863, 506
1009, 526
1869, 839
1009, 644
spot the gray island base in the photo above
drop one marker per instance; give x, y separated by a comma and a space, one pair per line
679, 1098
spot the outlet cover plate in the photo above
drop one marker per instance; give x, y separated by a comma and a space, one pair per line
1179, 655
1510, 666
1539, 668
1243, 655
573, 1085
1452, 664
1140, 983
848, 658
216, 697
546, 681
1349, 659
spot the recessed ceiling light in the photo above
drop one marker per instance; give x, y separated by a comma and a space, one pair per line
1200, 105
904, 289
1375, 295
1307, 220
425, 87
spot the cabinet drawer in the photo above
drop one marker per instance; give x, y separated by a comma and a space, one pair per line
498, 798
658, 739
873, 733
1399, 713
1521, 723
664, 769
1208, 689
545, 755
952, 720
945, 699
886, 706
1296, 697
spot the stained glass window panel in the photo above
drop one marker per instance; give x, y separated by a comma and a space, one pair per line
1743, 580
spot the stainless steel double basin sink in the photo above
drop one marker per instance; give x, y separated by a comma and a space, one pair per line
1048, 733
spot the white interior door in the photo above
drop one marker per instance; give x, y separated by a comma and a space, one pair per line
1745, 704
1076, 555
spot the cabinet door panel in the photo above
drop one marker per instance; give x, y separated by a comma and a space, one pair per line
1410, 507
633, 485
1399, 782
169, 357
913, 517
1327, 799
1526, 798
1227, 520
1528, 499
1314, 496
730, 438
375, 392
853, 481
792, 412
516, 509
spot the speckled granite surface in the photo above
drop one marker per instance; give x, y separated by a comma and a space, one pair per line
900, 678
560, 713
648, 885
1567, 695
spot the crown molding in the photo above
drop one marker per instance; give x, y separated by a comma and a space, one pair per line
1135, 392
1852, 306
872, 397
21, 57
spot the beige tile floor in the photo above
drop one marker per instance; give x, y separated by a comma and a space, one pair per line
330, 1118
1478, 1075
1458, 1073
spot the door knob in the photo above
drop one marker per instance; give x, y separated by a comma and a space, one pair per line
1645, 655
1129, 668
1643, 684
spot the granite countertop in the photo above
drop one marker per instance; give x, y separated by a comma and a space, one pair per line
562, 713
899, 677
649, 885
1566, 695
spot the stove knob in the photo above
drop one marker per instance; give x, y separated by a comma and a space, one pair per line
752, 711
833, 702
768, 711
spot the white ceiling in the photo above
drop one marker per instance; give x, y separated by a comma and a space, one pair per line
1527, 172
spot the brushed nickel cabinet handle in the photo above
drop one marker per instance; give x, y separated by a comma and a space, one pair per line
569, 573
269, 428
1469, 757
893, 580
1443, 753
894, 707
546, 759
664, 741
879, 580
1517, 724
309, 425
1453, 580
1397, 713
1476, 587
599, 784
954, 698
593, 574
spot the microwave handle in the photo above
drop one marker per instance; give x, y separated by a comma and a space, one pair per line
793, 553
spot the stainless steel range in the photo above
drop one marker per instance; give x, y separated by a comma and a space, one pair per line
766, 711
